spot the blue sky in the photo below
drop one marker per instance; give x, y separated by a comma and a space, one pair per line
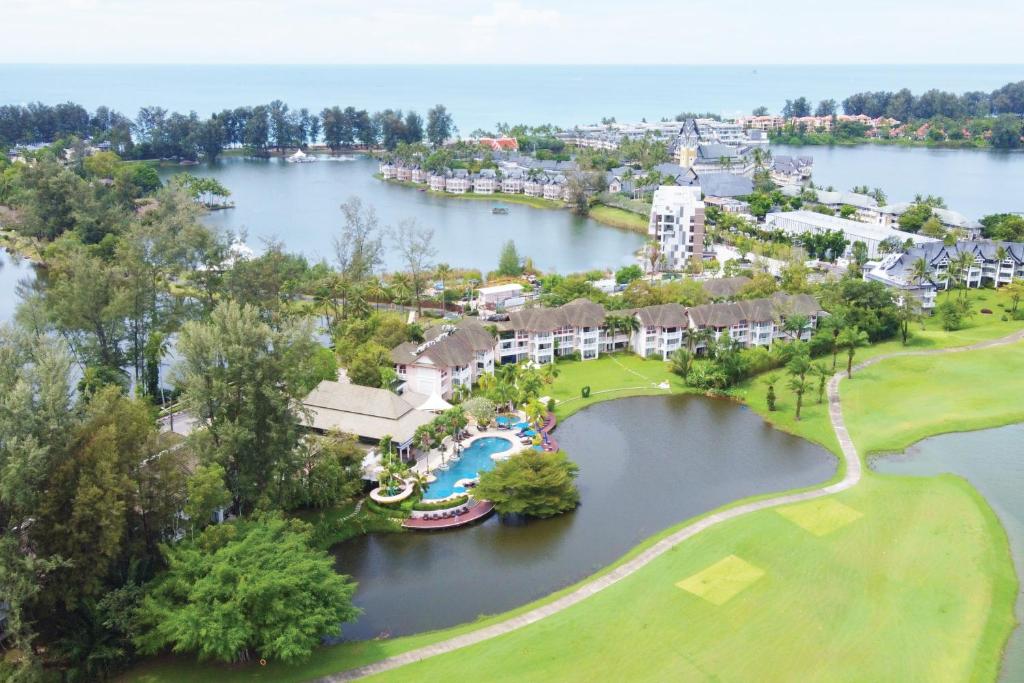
511, 31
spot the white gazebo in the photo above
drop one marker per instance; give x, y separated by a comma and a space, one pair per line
435, 404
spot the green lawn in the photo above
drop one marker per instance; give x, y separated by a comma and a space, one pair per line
919, 586
619, 218
977, 328
609, 377
890, 405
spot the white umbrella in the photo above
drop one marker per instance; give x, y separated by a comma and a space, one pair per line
435, 404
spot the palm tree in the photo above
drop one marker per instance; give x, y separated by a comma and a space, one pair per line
401, 289
798, 385
835, 322
442, 271
376, 290
821, 371
535, 412
682, 362
795, 324
919, 271
850, 339
549, 373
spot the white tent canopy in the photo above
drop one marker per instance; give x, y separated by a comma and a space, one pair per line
435, 404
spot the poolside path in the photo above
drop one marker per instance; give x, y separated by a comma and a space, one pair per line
850, 478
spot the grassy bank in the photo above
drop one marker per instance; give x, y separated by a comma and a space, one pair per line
610, 377
891, 405
619, 218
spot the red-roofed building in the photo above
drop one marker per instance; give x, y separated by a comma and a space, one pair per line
501, 144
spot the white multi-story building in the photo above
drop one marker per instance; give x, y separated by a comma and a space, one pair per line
496, 297
486, 182
661, 332
871, 234
677, 225
755, 322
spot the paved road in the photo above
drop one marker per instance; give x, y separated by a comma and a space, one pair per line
851, 477
180, 423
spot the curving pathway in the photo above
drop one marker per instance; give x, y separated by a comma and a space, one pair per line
850, 478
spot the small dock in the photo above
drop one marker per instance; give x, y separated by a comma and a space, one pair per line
477, 512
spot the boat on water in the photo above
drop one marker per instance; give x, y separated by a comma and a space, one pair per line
499, 210
300, 157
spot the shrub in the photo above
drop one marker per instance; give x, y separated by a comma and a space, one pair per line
986, 311
585, 392
528, 483
1003, 318
442, 505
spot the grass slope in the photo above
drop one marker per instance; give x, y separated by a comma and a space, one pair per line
890, 405
609, 377
927, 557
619, 218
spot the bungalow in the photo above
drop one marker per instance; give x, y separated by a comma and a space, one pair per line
450, 356
458, 182
438, 181
486, 182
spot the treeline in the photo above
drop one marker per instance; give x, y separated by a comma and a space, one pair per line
905, 106
157, 133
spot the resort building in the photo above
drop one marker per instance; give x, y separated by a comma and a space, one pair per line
994, 264
486, 182
756, 322
512, 181
889, 215
368, 413
721, 288
871, 234
499, 297
449, 357
438, 181
662, 330
541, 334
788, 170
458, 182
677, 225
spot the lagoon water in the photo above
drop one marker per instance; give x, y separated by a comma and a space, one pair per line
645, 464
299, 205
993, 461
13, 270
973, 182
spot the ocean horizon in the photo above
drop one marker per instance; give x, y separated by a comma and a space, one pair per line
480, 96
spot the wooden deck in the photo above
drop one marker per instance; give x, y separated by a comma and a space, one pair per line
479, 511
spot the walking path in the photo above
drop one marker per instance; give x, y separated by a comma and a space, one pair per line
850, 478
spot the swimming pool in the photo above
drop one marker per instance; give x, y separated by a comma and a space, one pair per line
476, 458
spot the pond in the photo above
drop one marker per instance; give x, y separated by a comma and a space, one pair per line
993, 461
298, 204
645, 464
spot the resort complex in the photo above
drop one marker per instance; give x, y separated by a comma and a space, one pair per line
362, 362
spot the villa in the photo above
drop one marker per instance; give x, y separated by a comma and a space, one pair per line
419, 175
756, 322
512, 182
662, 330
458, 182
450, 356
486, 182
554, 187
438, 181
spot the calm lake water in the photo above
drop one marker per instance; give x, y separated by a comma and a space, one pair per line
12, 271
298, 204
973, 182
645, 464
993, 461
481, 96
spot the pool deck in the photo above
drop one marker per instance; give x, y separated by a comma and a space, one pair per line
479, 511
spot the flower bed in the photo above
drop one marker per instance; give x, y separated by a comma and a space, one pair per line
451, 502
